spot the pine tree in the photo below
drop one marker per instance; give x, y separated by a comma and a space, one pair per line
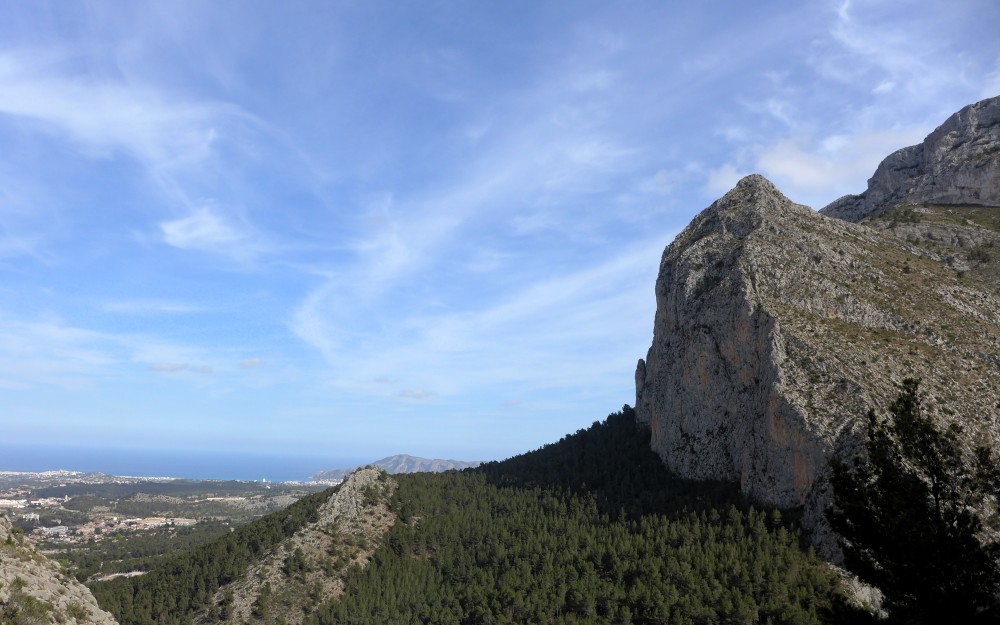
908, 517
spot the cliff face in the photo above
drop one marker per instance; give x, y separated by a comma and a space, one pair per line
958, 163
34, 590
777, 328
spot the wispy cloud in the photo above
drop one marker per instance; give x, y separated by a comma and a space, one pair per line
817, 153
815, 171
150, 306
49, 351
163, 367
103, 116
207, 231
529, 336
414, 394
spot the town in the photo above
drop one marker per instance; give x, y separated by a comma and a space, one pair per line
66, 508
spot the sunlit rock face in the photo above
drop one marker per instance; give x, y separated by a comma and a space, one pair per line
777, 328
30, 582
958, 163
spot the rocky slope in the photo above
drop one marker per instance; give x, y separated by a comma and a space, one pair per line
777, 328
309, 568
958, 163
34, 591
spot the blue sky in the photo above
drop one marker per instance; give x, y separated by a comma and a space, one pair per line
354, 229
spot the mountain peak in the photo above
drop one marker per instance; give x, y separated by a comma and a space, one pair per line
958, 163
756, 182
778, 328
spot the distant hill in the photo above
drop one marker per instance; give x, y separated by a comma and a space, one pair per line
401, 463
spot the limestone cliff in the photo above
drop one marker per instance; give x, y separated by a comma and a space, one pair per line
776, 329
33, 589
958, 163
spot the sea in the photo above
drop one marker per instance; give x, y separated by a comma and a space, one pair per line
197, 465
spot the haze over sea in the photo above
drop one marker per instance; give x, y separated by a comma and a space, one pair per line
204, 465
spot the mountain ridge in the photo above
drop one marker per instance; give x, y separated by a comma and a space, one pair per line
957, 163
777, 328
399, 463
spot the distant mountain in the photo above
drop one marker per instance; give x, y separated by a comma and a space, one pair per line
401, 463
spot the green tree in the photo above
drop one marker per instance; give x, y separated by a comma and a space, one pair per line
909, 517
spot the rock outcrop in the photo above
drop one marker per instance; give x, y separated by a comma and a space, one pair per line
958, 163
310, 567
33, 589
777, 328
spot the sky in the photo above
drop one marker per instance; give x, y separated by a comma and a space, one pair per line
351, 229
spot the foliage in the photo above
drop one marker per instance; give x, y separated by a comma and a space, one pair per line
23, 609
612, 460
591, 529
980, 254
187, 582
583, 531
139, 551
908, 517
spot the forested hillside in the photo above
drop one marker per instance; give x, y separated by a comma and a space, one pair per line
174, 591
591, 529
587, 530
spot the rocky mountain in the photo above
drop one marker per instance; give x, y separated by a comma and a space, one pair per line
778, 327
958, 163
401, 463
34, 590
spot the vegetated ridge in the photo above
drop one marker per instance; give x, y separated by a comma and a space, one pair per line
591, 529
35, 591
272, 570
400, 463
778, 327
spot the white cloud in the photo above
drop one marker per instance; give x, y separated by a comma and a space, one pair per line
103, 116
206, 231
916, 52
48, 351
531, 336
723, 178
164, 367
414, 394
819, 173
886, 86
815, 172
149, 306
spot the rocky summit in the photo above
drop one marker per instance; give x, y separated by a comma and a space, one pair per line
777, 328
958, 163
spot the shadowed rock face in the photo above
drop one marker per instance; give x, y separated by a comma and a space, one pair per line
958, 163
777, 328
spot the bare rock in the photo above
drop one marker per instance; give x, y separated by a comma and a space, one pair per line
958, 163
310, 567
34, 589
777, 328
